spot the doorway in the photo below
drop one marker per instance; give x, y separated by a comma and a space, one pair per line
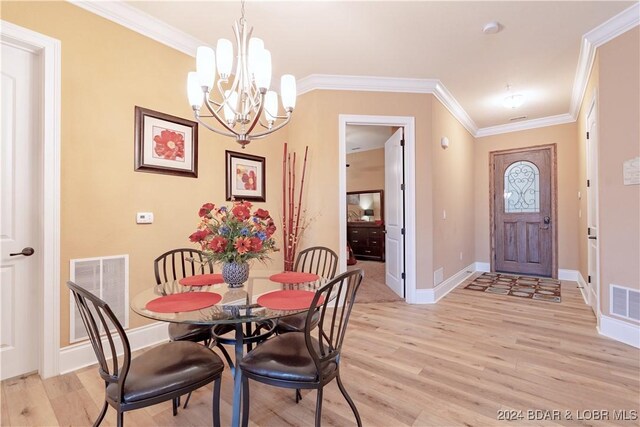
403, 257
375, 210
523, 211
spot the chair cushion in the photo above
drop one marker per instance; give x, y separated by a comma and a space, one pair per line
166, 368
295, 322
284, 357
188, 332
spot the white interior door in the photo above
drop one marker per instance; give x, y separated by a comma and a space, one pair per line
394, 212
592, 209
20, 220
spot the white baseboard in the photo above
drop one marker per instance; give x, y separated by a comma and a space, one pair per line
483, 267
564, 274
79, 355
431, 296
619, 330
584, 288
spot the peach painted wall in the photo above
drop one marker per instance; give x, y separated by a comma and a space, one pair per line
453, 192
439, 242
619, 140
106, 71
366, 170
316, 125
565, 138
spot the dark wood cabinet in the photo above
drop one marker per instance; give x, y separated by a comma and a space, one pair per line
366, 240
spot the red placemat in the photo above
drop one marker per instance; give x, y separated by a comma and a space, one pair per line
293, 277
288, 300
187, 301
202, 280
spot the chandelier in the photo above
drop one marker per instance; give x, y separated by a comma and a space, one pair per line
245, 108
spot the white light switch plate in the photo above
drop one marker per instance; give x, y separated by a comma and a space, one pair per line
144, 218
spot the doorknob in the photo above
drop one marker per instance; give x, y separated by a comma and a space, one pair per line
25, 252
546, 221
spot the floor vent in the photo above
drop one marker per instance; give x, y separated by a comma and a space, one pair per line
105, 277
625, 302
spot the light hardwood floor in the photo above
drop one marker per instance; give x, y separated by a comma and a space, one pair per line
458, 362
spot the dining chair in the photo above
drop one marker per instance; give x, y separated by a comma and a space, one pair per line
177, 264
174, 265
162, 373
309, 359
318, 260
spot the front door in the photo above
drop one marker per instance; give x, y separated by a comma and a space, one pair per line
523, 211
20, 214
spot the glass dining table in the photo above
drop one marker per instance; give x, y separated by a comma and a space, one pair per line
237, 310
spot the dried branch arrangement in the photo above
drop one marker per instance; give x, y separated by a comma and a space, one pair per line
293, 221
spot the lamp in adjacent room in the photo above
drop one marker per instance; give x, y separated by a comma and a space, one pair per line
368, 213
245, 108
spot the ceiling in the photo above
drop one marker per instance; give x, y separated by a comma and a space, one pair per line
364, 138
536, 53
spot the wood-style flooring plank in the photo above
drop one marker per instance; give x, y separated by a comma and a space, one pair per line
455, 363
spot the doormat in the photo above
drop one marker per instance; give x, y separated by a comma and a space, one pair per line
537, 288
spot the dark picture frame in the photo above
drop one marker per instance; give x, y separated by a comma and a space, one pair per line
165, 144
245, 176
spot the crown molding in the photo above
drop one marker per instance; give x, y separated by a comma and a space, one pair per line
603, 33
559, 119
454, 107
121, 13
365, 83
136, 20
619, 24
389, 84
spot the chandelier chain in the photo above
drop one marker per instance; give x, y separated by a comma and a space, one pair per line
242, 11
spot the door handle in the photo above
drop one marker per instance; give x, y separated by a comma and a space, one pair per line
592, 238
546, 221
25, 252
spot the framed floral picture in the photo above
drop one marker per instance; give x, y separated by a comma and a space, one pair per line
245, 177
165, 144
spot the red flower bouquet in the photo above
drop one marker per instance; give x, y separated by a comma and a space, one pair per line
235, 234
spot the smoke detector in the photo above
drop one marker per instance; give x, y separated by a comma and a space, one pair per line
492, 27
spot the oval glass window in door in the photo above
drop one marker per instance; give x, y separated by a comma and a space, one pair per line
522, 188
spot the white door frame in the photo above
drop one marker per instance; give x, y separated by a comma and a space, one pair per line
48, 51
408, 123
593, 109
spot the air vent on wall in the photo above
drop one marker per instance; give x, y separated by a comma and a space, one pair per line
515, 119
625, 302
105, 277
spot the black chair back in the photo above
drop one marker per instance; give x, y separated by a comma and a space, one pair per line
99, 319
317, 260
179, 263
332, 324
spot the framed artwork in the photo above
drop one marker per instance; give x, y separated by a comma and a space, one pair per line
165, 144
353, 199
245, 177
